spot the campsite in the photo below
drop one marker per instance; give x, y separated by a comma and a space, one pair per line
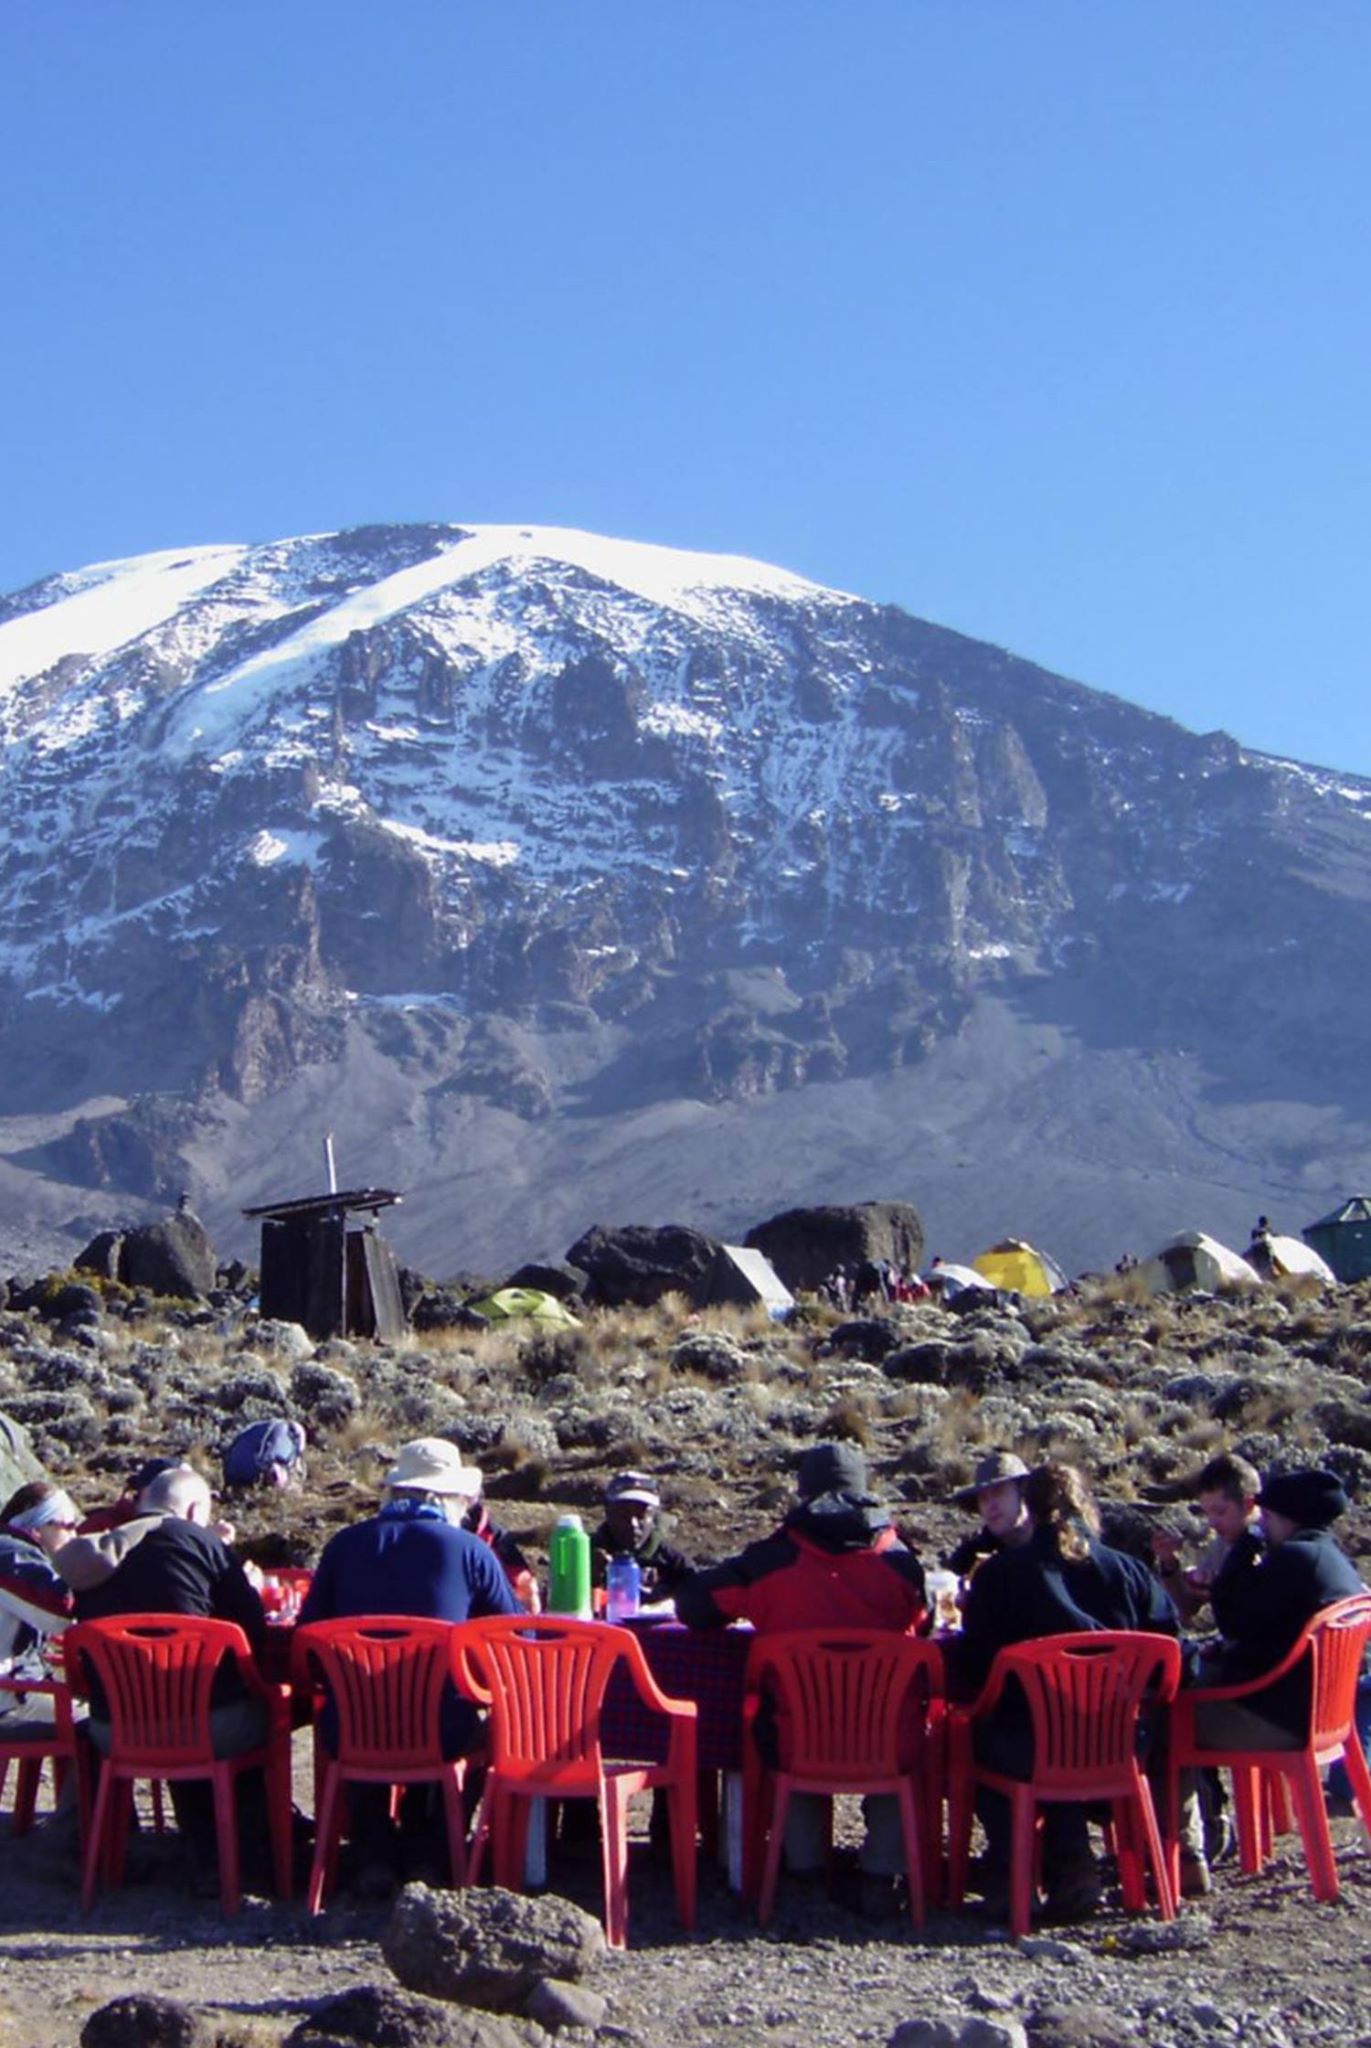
717, 1402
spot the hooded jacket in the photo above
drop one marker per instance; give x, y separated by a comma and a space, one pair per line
34, 1604
835, 1562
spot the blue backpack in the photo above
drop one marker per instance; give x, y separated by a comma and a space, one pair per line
265, 1454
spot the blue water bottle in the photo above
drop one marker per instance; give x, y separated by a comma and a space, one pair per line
623, 1588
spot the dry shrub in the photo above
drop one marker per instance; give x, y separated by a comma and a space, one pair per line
848, 1420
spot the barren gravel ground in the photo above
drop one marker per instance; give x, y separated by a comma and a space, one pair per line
1260, 1962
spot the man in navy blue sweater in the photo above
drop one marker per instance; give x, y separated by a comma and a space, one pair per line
412, 1557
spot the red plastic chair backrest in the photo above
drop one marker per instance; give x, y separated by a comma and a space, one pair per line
1337, 1636
1083, 1693
387, 1675
850, 1702
544, 1679
157, 1673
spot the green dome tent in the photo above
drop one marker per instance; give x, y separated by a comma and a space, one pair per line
509, 1304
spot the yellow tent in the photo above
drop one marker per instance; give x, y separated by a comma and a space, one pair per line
507, 1303
1019, 1269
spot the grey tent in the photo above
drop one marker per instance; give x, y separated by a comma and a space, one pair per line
1344, 1238
17, 1462
743, 1278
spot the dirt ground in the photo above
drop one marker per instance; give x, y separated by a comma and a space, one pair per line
1259, 1962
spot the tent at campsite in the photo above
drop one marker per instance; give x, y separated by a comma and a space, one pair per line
1194, 1260
1280, 1258
954, 1278
1344, 1238
507, 1304
746, 1279
1020, 1268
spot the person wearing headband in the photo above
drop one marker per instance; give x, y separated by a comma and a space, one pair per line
35, 1523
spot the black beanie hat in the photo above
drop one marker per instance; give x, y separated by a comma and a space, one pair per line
831, 1468
1312, 1500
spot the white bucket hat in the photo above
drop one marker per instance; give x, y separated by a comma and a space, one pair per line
430, 1464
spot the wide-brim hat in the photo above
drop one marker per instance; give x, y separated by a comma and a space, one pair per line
430, 1464
1311, 1499
993, 1470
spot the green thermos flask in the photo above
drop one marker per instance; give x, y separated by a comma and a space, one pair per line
569, 1569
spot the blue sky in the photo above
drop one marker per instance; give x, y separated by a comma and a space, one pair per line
1046, 319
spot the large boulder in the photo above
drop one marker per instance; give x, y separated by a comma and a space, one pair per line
806, 1245
636, 1264
487, 1947
143, 2020
379, 2016
172, 1257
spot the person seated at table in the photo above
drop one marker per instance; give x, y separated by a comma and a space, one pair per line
1262, 1599
1226, 1494
479, 1521
1060, 1581
179, 1565
632, 1527
412, 1557
107, 1535
35, 1605
835, 1562
996, 1495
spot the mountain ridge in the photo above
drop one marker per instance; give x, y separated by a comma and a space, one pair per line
678, 850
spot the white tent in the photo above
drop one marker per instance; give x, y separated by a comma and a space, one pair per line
1193, 1260
955, 1278
1276, 1257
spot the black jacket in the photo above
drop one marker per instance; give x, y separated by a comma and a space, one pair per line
662, 1566
1030, 1591
1261, 1600
181, 1568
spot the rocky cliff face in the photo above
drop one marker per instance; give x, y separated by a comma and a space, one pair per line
444, 833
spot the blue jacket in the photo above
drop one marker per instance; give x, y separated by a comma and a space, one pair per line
408, 1560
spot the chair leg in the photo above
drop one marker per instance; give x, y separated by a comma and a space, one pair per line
1144, 1820
614, 1856
95, 1839
1312, 1814
1125, 1816
1354, 1762
775, 1841
681, 1812
1022, 1859
1278, 1802
327, 1829
913, 1850
117, 1831
1250, 1811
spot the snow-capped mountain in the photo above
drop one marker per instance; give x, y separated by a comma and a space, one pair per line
568, 878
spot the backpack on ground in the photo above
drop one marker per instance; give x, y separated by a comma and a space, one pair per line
266, 1454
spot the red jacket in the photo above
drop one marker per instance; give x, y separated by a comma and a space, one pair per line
835, 1563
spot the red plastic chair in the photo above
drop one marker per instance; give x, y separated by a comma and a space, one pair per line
1084, 1694
853, 1711
55, 1745
157, 1673
1334, 1641
544, 1679
387, 1675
